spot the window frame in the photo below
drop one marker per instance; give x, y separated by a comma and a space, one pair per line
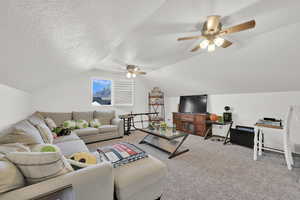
92, 91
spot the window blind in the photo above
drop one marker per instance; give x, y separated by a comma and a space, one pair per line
123, 92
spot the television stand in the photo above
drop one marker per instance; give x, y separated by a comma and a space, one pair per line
192, 123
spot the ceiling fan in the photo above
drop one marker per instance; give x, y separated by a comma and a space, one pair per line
212, 33
133, 71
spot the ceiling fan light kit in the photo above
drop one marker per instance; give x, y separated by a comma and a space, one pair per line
212, 31
133, 71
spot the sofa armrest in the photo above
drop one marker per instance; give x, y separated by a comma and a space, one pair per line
120, 125
93, 183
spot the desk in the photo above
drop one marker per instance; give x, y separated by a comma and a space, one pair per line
209, 133
129, 122
259, 144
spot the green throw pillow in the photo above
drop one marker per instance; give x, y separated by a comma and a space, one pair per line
71, 124
95, 123
45, 148
82, 124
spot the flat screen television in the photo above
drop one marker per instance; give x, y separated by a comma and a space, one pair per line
193, 104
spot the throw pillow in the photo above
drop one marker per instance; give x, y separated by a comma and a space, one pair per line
23, 132
70, 124
95, 123
82, 124
45, 148
36, 119
11, 178
13, 147
50, 123
46, 133
40, 166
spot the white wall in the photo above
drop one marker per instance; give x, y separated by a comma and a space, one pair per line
15, 105
248, 108
74, 94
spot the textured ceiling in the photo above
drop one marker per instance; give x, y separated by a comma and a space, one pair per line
48, 40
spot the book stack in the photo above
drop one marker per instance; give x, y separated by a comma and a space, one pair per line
121, 153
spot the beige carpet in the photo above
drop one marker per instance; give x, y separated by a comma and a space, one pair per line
213, 171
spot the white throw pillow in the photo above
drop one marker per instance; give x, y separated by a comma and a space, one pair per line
71, 124
25, 133
46, 133
50, 123
40, 166
11, 178
95, 123
82, 124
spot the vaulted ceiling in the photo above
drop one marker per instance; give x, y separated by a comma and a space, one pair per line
46, 41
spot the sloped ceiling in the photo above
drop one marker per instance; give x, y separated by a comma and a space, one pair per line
46, 41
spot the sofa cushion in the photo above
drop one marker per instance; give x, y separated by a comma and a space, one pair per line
36, 119
11, 178
108, 128
87, 116
105, 117
66, 138
58, 117
23, 132
46, 133
86, 131
40, 166
69, 147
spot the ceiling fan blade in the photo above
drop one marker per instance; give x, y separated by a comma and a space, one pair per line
195, 48
141, 73
226, 44
238, 28
190, 38
212, 23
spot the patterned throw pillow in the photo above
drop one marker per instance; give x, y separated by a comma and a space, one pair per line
50, 123
81, 124
23, 132
40, 166
71, 124
45, 133
95, 123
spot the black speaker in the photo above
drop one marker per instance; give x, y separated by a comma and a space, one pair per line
227, 116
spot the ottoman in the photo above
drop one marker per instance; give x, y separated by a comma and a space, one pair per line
142, 179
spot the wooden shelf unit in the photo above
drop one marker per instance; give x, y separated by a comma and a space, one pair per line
156, 104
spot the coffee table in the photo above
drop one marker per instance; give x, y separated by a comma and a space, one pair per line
168, 140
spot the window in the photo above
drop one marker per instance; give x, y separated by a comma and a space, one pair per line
108, 92
102, 92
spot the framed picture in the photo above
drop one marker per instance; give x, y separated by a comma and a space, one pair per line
64, 193
101, 92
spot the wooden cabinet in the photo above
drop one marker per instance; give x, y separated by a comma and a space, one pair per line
193, 123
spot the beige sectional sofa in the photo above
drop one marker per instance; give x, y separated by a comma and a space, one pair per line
111, 127
142, 179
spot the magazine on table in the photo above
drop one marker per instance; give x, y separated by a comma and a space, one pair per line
121, 153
